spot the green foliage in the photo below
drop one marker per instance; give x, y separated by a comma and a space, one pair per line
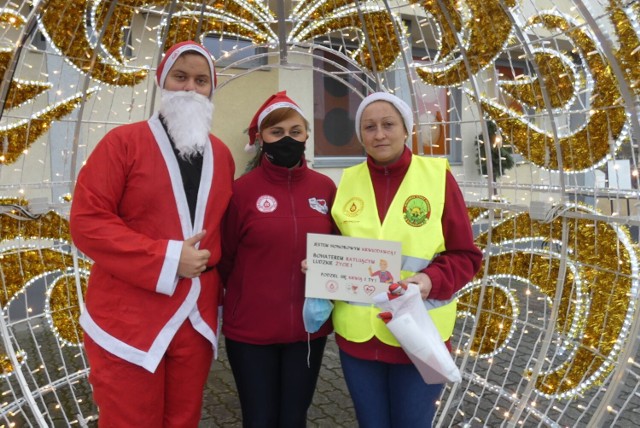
501, 158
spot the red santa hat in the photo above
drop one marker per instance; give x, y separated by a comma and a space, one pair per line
174, 53
274, 102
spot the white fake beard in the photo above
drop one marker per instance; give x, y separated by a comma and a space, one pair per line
188, 118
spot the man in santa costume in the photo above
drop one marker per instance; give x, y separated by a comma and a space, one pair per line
146, 209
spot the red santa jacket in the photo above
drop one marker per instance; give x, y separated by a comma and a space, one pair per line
130, 215
264, 241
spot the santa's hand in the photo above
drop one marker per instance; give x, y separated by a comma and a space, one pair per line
303, 266
385, 316
192, 260
423, 281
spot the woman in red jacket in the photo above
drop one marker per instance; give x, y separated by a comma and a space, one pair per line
275, 362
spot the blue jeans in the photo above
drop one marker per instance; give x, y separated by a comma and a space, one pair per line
389, 395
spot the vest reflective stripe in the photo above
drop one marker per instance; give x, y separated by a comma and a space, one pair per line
355, 213
414, 264
430, 304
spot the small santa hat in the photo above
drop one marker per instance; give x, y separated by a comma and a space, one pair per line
172, 55
402, 107
274, 102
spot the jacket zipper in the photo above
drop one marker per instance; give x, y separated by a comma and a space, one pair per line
292, 286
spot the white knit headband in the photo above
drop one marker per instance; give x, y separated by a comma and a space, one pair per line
403, 108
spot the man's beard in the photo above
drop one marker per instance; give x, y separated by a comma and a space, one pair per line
187, 116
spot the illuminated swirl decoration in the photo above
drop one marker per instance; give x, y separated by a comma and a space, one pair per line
318, 18
62, 309
312, 18
482, 36
226, 18
20, 91
596, 303
470, 39
59, 22
191, 21
46, 253
588, 146
19, 136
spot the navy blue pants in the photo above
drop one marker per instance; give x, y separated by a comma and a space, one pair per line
389, 395
275, 383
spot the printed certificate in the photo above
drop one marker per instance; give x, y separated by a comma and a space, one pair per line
351, 269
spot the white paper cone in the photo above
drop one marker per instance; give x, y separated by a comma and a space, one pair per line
413, 328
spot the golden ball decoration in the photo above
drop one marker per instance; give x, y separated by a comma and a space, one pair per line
547, 331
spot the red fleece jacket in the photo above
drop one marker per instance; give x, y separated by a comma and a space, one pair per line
264, 241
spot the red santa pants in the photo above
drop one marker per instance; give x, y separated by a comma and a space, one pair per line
129, 396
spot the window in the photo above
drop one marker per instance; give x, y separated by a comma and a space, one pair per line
336, 101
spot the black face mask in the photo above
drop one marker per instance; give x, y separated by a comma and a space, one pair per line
286, 152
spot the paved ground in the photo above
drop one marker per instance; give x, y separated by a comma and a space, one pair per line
487, 397
332, 406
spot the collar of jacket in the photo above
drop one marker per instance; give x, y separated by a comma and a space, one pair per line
399, 167
277, 173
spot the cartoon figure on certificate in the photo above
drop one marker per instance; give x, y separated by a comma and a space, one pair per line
383, 274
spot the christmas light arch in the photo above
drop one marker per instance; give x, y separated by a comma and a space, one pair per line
548, 330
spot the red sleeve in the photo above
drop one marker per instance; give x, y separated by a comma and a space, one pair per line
457, 265
230, 236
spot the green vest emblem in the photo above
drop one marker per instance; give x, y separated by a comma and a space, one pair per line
416, 210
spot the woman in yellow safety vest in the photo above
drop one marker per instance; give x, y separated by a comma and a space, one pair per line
398, 196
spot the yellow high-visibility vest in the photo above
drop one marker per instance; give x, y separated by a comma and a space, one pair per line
414, 219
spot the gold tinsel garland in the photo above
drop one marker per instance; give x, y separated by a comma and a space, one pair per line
21, 265
63, 22
21, 92
6, 366
488, 30
186, 27
495, 323
382, 36
19, 137
321, 18
63, 310
629, 41
313, 10
449, 23
558, 79
595, 302
11, 17
586, 148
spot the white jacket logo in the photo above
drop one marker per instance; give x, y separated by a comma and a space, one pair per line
319, 205
266, 204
